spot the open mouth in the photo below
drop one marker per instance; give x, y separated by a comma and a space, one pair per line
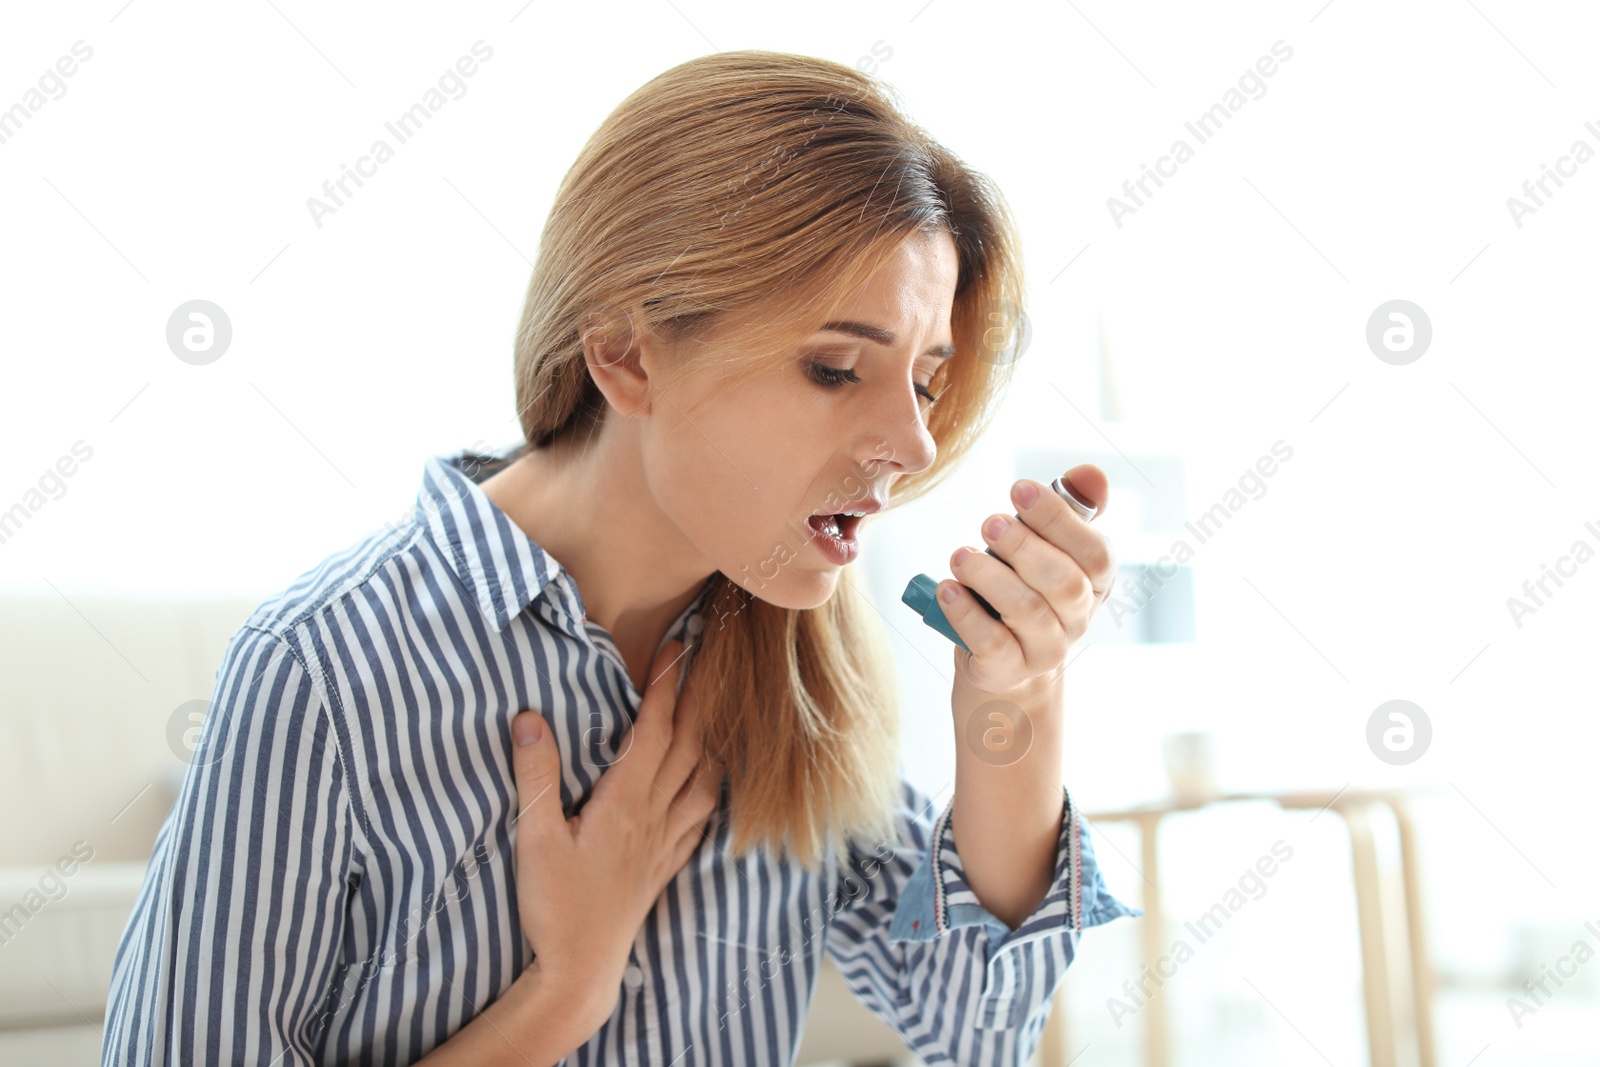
841, 526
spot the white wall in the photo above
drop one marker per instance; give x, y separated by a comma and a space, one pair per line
1230, 312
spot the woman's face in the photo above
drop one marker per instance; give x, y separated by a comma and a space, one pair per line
742, 475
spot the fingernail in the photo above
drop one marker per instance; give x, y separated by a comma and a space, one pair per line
961, 554
996, 527
1027, 493
527, 728
947, 592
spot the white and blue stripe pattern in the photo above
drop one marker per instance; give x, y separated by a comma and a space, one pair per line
335, 883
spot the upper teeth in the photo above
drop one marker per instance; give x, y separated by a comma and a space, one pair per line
857, 514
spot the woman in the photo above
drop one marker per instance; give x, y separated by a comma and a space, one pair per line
596, 756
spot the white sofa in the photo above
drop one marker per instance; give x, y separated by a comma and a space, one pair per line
94, 692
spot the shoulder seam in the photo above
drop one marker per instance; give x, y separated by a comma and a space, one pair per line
382, 554
326, 701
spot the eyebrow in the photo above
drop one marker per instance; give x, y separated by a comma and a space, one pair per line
881, 336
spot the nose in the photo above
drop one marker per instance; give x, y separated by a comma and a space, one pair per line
901, 442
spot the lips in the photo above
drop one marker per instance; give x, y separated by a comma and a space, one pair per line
837, 530
867, 506
841, 526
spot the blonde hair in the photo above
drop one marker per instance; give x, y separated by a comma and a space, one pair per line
755, 181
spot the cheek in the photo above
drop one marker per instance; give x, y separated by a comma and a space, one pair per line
735, 479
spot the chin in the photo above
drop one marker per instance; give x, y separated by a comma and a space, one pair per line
793, 587
794, 570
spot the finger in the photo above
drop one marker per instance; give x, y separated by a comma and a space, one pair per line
540, 818
1064, 587
682, 850
1090, 483
983, 634
1054, 520
685, 750
698, 799
639, 762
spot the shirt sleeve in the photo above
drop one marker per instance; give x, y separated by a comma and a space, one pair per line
913, 936
236, 932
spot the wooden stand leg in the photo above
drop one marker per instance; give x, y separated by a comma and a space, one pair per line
1374, 954
1153, 938
1421, 967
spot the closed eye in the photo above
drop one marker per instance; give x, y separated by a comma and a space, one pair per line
833, 377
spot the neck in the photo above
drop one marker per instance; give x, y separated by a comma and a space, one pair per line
589, 507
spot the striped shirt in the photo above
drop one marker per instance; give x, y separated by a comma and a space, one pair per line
336, 881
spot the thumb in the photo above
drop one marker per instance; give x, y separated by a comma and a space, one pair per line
538, 769
1089, 484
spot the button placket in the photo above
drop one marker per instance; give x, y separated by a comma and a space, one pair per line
633, 975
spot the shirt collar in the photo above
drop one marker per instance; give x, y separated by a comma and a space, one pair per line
494, 559
503, 568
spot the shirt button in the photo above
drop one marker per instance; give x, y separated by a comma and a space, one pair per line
633, 976
696, 624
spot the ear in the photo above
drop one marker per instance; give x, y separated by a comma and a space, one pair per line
621, 354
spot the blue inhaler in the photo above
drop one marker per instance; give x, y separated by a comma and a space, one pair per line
921, 593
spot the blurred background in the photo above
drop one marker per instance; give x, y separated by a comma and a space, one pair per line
1343, 351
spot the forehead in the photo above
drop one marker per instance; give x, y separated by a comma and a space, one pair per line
913, 288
